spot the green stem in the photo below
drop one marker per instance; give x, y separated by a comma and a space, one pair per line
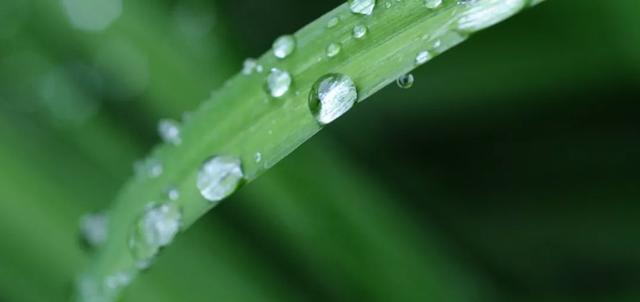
241, 120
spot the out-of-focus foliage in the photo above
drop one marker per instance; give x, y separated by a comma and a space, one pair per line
508, 172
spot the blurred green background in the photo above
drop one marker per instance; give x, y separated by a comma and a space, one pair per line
509, 172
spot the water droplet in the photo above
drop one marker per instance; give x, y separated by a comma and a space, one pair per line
87, 289
94, 229
331, 97
333, 22
219, 177
359, 31
169, 131
118, 280
258, 157
485, 13
423, 57
173, 194
278, 82
154, 229
432, 4
333, 50
363, 7
249, 66
151, 168
405, 81
154, 169
284, 46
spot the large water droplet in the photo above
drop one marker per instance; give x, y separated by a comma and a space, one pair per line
363, 7
284, 46
359, 31
333, 22
331, 97
405, 81
219, 177
169, 131
94, 229
155, 228
485, 13
278, 82
333, 50
432, 4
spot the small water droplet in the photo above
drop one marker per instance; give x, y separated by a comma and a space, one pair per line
405, 81
278, 82
94, 229
363, 7
284, 46
331, 97
154, 229
155, 169
219, 177
249, 66
151, 168
258, 157
333, 22
423, 57
432, 4
333, 50
173, 194
118, 280
87, 289
359, 31
169, 131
